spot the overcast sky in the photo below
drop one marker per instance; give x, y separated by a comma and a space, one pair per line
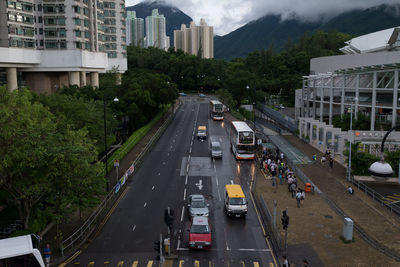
228, 15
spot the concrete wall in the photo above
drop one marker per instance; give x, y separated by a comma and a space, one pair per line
332, 63
18, 56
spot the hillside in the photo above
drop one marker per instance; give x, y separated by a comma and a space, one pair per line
271, 31
173, 16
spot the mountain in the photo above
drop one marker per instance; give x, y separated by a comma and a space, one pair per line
271, 31
173, 16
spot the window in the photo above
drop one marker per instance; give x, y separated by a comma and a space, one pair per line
63, 44
40, 19
78, 45
11, 17
86, 22
18, 5
78, 33
77, 21
27, 7
61, 33
49, 21
87, 34
86, 11
61, 21
77, 9
29, 31
61, 8
50, 32
41, 42
40, 31
49, 9
28, 19
29, 44
51, 44
87, 45
20, 18
10, 4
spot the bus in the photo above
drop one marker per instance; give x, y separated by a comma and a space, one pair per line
21, 251
216, 110
242, 140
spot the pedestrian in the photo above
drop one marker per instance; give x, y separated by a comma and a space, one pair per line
331, 162
285, 261
47, 253
273, 180
305, 263
323, 159
280, 176
298, 198
314, 157
350, 190
303, 194
282, 156
293, 189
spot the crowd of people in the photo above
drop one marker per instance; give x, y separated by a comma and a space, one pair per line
274, 162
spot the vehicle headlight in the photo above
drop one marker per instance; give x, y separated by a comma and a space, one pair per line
207, 243
230, 210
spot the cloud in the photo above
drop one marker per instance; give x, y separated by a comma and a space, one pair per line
228, 15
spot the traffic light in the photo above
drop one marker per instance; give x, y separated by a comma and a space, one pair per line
285, 220
157, 246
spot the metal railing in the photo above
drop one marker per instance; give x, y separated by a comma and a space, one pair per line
80, 236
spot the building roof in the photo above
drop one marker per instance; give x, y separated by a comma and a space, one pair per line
373, 42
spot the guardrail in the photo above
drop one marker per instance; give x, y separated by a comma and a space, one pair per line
80, 236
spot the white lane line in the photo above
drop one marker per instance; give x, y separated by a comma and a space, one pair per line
190, 150
134, 227
186, 179
159, 174
179, 243
187, 168
189, 158
252, 249
191, 144
182, 248
183, 211
184, 194
145, 204
152, 188
227, 247
231, 181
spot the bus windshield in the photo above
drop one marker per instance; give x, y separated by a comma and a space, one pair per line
218, 107
246, 138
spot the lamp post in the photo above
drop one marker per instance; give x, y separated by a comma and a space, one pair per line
350, 140
254, 107
116, 100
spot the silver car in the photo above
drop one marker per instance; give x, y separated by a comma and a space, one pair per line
197, 206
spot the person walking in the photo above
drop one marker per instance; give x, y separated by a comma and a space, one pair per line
323, 159
293, 189
303, 194
350, 190
281, 176
285, 261
298, 198
47, 253
331, 163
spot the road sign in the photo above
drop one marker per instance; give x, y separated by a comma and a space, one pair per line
200, 184
116, 163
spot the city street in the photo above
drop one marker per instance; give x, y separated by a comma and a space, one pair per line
180, 165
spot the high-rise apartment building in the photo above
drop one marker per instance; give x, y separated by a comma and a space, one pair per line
135, 29
155, 31
196, 39
53, 43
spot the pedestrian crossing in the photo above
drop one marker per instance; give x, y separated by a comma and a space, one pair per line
174, 263
392, 199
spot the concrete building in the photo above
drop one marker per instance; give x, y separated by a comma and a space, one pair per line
196, 39
365, 79
46, 45
135, 29
155, 31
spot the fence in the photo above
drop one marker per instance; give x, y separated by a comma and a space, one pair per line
94, 221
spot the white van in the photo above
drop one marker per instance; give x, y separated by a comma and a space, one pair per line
215, 149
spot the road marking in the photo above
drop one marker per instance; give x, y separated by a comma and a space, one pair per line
184, 194
183, 211
196, 263
152, 188
150, 263
187, 168
106, 262
91, 263
134, 227
190, 150
189, 158
254, 249
242, 262
76, 254
179, 243
181, 263
219, 194
200, 184
159, 173
182, 248
120, 264
135, 264
231, 181
145, 204
256, 264
186, 179
226, 243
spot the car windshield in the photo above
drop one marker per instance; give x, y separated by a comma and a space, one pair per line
246, 137
202, 131
198, 204
216, 148
237, 201
199, 229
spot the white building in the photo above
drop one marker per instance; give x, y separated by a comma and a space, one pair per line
196, 39
155, 31
46, 45
135, 29
365, 80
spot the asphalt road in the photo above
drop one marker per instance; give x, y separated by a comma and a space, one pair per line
180, 165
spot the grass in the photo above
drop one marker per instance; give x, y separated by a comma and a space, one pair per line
133, 140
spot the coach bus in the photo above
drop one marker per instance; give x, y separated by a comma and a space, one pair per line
216, 110
242, 140
20, 251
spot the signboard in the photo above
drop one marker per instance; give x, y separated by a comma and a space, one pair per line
116, 163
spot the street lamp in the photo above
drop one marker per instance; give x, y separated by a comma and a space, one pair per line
350, 139
116, 100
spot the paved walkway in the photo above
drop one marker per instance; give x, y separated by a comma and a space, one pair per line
315, 228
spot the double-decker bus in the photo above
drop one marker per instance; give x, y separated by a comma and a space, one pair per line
20, 251
216, 110
242, 140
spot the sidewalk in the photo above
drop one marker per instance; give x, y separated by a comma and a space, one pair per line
315, 228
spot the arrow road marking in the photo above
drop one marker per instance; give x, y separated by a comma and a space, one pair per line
134, 227
200, 184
